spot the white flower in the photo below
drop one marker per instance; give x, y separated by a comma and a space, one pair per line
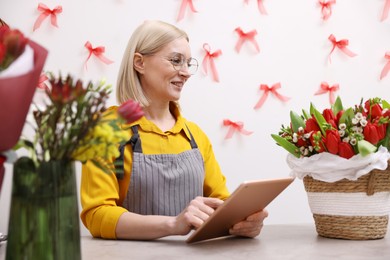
342, 126
295, 137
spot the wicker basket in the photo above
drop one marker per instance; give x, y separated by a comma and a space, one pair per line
357, 210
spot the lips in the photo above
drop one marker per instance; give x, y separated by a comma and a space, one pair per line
178, 83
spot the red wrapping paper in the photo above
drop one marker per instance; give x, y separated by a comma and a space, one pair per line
16, 94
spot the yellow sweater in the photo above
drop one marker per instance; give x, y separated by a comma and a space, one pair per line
102, 194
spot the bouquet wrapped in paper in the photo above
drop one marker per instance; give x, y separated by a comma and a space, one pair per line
21, 63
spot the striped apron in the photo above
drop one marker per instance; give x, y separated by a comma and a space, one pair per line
163, 184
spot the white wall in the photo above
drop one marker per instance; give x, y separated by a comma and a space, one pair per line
294, 49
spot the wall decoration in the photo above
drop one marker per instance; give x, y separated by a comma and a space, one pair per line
246, 36
342, 45
45, 12
325, 88
235, 127
98, 52
260, 5
273, 90
386, 68
386, 9
208, 61
326, 8
183, 6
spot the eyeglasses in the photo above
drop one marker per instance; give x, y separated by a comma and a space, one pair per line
178, 60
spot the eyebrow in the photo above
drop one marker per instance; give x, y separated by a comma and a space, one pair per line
178, 53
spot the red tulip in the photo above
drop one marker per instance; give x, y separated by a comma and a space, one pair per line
329, 117
381, 131
311, 125
345, 150
371, 134
130, 111
332, 141
375, 110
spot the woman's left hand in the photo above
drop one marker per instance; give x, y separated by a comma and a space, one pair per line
251, 226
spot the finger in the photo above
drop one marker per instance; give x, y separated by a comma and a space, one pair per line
213, 202
258, 216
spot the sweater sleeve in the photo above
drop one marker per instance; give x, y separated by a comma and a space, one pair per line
99, 193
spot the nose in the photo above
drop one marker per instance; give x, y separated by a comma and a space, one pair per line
184, 70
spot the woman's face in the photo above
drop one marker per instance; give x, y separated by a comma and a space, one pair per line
159, 79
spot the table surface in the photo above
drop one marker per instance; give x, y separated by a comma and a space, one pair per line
275, 242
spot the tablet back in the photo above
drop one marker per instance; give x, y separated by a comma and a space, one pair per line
248, 198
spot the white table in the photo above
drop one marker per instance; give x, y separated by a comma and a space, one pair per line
275, 242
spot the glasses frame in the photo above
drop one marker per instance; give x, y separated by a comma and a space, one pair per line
178, 67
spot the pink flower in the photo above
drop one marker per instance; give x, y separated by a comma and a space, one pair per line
130, 111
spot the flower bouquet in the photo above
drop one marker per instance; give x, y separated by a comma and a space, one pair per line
72, 125
342, 156
21, 63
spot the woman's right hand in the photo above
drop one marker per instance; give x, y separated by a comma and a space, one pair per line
193, 216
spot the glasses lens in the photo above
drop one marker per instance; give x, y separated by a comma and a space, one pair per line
192, 66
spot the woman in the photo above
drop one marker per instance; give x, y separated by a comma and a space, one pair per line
172, 181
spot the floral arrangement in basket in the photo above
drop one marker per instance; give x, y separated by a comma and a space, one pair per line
342, 156
343, 132
348, 137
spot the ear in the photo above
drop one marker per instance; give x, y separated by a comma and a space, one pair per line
138, 62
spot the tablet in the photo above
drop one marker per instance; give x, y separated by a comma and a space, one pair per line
248, 198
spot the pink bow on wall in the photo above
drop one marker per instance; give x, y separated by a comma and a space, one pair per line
274, 91
45, 12
260, 5
98, 52
326, 8
208, 60
342, 45
386, 9
325, 88
235, 127
183, 7
386, 68
249, 36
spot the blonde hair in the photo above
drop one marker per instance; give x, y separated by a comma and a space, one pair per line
148, 38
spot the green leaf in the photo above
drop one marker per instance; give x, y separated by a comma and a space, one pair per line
305, 114
319, 118
296, 121
365, 147
386, 141
291, 148
385, 104
337, 106
347, 116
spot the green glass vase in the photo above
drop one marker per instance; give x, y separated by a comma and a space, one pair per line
44, 217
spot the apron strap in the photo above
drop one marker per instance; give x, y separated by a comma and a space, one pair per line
192, 140
135, 142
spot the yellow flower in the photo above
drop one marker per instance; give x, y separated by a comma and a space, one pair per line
101, 141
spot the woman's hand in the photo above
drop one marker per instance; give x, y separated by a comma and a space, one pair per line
193, 216
251, 226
